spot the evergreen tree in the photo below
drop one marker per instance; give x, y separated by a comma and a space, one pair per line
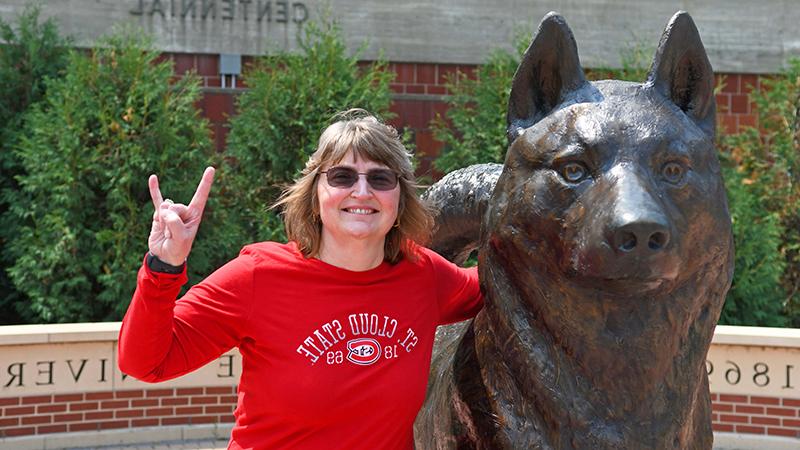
86, 152
31, 53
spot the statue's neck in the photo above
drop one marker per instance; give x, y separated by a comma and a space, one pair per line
593, 366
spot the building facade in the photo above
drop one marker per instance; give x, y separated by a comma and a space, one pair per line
426, 41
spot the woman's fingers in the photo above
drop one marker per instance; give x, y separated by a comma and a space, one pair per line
201, 194
181, 210
155, 192
175, 224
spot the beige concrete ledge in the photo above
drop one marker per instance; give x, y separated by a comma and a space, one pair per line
735, 441
108, 331
757, 336
128, 436
68, 358
59, 333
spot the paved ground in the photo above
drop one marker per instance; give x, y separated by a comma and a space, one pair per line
205, 445
223, 445
184, 445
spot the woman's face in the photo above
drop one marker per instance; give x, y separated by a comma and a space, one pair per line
359, 212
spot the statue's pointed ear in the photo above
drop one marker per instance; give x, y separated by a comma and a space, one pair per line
681, 71
549, 71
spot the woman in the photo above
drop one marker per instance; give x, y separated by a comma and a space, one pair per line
335, 328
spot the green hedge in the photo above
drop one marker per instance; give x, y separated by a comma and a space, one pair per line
86, 153
767, 161
32, 53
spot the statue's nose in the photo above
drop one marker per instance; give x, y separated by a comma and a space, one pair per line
637, 224
641, 236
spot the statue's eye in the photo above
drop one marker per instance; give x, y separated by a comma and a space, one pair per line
673, 172
574, 172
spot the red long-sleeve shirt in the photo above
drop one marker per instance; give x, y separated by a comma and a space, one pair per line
331, 358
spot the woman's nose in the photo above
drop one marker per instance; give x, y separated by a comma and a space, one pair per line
361, 188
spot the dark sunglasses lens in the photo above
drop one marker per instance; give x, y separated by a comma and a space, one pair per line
342, 177
382, 179
345, 177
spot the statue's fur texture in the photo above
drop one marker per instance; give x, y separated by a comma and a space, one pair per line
605, 253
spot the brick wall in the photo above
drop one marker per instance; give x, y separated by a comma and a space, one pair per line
91, 411
749, 414
420, 94
43, 414
734, 109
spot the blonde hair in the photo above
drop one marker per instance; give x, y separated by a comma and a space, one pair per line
368, 138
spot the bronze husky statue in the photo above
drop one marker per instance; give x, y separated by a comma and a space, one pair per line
605, 253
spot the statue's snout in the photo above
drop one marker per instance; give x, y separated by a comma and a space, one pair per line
638, 225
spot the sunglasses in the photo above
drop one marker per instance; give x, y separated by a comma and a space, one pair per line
345, 177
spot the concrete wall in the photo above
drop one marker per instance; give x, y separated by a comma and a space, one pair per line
741, 36
754, 377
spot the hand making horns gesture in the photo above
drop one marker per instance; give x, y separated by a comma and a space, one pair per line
174, 224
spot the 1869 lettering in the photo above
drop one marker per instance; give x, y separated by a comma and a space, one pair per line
760, 374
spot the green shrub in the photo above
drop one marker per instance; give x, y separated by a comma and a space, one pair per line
32, 52
474, 128
756, 295
769, 156
635, 59
292, 98
84, 205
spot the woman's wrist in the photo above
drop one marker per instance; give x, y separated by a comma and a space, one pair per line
157, 265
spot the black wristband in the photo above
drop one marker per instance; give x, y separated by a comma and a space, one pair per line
157, 265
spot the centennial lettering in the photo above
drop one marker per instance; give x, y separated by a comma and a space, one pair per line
245, 8
157, 7
264, 9
300, 13
227, 9
186, 7
284, 12
209, 6
139, 10
281, 12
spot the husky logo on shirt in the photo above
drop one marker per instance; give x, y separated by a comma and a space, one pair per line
363, 351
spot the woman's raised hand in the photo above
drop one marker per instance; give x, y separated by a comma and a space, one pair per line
174, 224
